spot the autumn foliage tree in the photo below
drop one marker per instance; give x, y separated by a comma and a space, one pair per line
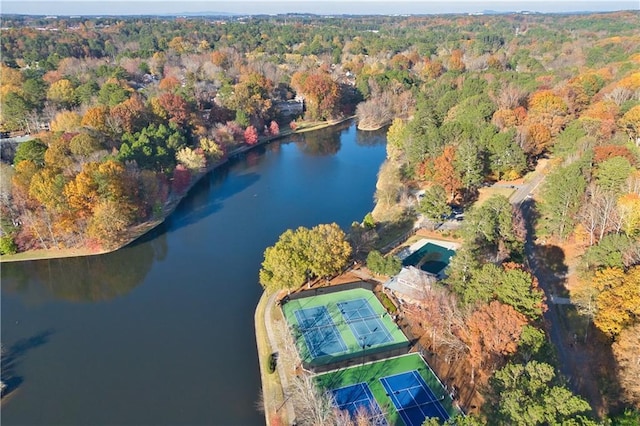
176, 108
445, 174
181, 179
192, 159
629, 213
321, 94
443, 322
627, 355
251, 135
548, 109
605, 152
62, 93
100, 181
630, 123
252, 95
96, 118
66, 121
130, 114
83, 144
618, 301
304, 253
455, 61
493, 333
538, 139
211, 149
274, 128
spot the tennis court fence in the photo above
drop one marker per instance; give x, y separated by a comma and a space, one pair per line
328, 290
322, 365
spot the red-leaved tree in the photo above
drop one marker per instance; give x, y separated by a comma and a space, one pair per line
251, 135
274, 129
181, 179
176, 107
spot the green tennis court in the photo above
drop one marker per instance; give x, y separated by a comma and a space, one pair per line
380, 377
338, 326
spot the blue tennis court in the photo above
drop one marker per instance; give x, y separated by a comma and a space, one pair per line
413, 398
364, 322
319, 331
355, 398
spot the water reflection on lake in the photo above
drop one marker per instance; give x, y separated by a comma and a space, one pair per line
161, 332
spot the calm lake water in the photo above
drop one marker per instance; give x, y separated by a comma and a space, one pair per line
162, 331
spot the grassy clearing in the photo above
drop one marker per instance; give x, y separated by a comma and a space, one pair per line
391, 232
486, 193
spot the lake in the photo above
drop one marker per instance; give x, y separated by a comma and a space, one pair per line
162, 331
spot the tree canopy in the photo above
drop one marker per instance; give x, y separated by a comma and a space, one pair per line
302, 254
530, 394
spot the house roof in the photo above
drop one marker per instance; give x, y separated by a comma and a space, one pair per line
411, 283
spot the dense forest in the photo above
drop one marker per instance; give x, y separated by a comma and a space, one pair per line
125, 112
492, 108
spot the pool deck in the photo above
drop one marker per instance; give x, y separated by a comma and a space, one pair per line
449, 245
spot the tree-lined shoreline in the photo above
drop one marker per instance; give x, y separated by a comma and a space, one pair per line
142, 229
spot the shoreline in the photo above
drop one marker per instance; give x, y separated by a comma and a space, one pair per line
140, 230
372, 128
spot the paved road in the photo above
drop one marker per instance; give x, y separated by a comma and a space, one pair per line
545, 279
523, 197
17, 139
527, 189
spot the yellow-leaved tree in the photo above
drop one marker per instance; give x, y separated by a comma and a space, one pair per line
630, 123
629, 211
618, 304
66, 121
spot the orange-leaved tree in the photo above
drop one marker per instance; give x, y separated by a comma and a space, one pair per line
444, 171
493, 333
96, 118
548, 109
130, 114
251, 135
321, 94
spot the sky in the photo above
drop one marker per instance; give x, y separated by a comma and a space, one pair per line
155, 7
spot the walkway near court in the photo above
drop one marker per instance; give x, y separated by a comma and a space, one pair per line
272, 405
